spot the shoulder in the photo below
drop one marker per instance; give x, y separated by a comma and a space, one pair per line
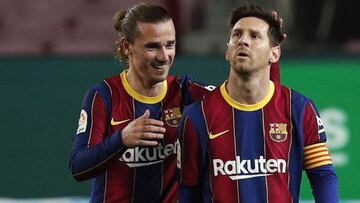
210, 100
297, 98
193, 108
186, 82
103, 89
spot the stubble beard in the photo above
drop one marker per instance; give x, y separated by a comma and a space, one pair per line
241, 69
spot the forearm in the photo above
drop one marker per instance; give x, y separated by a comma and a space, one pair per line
324, 184
89, 161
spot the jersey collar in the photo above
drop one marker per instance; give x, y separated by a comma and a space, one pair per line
247, 107
139, 97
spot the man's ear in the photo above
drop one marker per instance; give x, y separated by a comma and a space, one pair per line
275, 54
125, 45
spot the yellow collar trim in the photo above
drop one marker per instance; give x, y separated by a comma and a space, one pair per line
247, 107
139, 97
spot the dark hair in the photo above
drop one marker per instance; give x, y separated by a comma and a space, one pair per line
126, 23
252, 10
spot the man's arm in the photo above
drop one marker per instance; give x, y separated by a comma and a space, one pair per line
192, 91
190, 162
92, 150
324, 184
317, 160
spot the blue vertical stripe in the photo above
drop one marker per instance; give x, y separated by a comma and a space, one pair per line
98, 188
198, 119
250, 146
296, 153
148, 185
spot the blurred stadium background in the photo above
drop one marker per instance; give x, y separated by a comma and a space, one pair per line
52, 51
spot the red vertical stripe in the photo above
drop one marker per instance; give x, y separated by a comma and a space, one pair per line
169, 190
311, 127
278, 111
222, 147
275, 72
120, 177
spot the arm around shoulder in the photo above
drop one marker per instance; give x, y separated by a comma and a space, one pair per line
190, 188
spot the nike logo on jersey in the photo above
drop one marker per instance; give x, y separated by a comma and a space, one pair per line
213, 136
113, 122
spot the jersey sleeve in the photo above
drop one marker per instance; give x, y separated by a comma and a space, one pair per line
189, 154
92, 150
316, 152
317, 160
324, 184
193, 91
275, 72
190, 161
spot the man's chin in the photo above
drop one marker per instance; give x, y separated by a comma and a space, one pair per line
160, 78
240, 67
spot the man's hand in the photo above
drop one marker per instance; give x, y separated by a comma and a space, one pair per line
142, 131
280, 20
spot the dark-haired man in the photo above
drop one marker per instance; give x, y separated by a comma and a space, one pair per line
126, 140
249, 140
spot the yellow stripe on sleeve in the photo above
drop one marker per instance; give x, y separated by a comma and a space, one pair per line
314, 146
316, 155
324, 153
311, 151
322, 158
318, 164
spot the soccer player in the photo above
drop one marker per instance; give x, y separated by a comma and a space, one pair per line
126, 140
249, 140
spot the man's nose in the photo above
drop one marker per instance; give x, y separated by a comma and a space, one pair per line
243, 40
162, 54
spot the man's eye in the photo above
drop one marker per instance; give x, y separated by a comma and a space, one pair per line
237, 34
256, 36
170, 46
152, 48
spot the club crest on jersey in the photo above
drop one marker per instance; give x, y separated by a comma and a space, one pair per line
172, 116
278, 132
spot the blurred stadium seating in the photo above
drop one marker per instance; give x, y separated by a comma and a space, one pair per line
85, 27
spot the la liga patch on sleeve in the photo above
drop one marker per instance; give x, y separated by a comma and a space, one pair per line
82, 122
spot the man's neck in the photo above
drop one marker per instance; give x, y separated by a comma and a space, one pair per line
248, 90
144, 87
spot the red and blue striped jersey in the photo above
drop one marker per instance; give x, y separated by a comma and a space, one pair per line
231, 152
136, 174
121, 174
